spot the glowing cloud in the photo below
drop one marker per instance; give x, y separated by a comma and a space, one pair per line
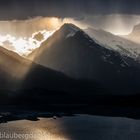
23, 36
23, 45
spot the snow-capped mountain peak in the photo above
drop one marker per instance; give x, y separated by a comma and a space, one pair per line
71, 51
69, 29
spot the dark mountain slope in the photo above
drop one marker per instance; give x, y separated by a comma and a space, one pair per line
74, 53
24, 82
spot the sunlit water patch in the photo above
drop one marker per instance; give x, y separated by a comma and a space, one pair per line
79, 127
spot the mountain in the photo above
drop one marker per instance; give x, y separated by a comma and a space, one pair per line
25, 82
12, 68
134, 35
123, 46
21, 72
71, 51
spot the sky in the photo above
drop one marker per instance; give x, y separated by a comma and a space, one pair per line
115, 16
20, 20
20, 9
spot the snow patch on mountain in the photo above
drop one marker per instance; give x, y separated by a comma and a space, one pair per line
123, 46
72, 33
72, 30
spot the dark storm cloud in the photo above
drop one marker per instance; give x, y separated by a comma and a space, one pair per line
13, 9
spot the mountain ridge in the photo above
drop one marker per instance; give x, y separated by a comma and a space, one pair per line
79, 56
117, 43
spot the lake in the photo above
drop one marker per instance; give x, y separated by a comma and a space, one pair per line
77, 127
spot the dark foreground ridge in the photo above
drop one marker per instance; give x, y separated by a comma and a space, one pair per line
14, 113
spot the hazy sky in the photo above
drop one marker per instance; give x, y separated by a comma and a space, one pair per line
11, 9
121, 24
20, 19
116, 16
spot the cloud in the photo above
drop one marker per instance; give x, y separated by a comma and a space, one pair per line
8, 45
25, 28
19, 9
114, 23
23, 36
